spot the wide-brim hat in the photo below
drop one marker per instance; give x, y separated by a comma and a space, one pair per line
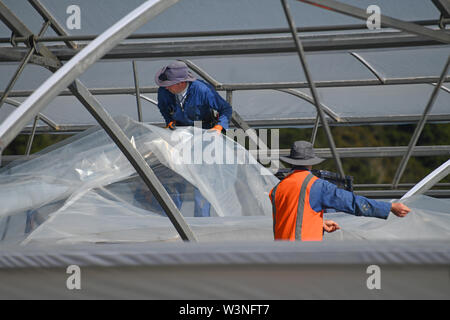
302, 153
174, 73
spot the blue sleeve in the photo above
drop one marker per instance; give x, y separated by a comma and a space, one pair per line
163, 105
325, 195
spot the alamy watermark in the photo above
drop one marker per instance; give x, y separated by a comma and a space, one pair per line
74, 19
374, 280
374, 20
73, 282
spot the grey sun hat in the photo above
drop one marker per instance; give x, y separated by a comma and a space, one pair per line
302, 153
174, 73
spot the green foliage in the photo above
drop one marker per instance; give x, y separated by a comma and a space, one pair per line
41, 141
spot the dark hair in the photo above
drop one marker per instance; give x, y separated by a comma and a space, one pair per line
163, 76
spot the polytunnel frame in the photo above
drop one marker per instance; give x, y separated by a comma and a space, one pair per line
59, 30
49, 61
66, 76
39, 8
387, 21
437, 35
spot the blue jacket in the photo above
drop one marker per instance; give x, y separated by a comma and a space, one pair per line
325, 195
200, 98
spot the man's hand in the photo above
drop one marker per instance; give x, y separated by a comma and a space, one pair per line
330, 226
217, 128
399, 209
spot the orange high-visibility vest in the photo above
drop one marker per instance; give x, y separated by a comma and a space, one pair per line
293, 217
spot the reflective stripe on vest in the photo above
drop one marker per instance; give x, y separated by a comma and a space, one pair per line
307, 224
274, 208
301, 207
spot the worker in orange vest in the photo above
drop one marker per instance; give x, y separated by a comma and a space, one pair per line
299, 200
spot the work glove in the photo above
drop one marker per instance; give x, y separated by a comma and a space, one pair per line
171, 125
217, 128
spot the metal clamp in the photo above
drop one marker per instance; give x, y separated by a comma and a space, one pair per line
32, 43
442, 21
12, 39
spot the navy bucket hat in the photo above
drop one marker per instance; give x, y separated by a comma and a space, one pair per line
174, 73
302, 153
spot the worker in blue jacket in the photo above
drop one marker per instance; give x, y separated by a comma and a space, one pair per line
182, 99
300, 199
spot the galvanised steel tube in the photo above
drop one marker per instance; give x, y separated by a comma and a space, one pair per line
213, 33
135, 158
138, 92
429, 181
386, 21
62, 78
67, 75
314, 93
258, 86
415, 137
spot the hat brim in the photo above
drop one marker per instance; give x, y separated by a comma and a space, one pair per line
190, 77
302, 162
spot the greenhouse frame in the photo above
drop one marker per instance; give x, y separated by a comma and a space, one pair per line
280, 64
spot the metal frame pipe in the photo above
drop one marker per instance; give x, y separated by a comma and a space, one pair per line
236, 119
13, 22
75, 67
31, 137
66, 76
257, 45
333, 115
16, 75
148, 99
314, 93
401, 168
369, 67
315, 129
138, 93
42, 117
19, 28
443, 6
218, 33
377, 152
208, 78
437, 35
430, 180
70, 128
258, 86
22, 64
135, 158
55, 25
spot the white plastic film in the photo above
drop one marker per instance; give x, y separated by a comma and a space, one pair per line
87, 188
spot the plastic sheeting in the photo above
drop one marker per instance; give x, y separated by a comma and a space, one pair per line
419, 252
86, 190
239, 270
429, 219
